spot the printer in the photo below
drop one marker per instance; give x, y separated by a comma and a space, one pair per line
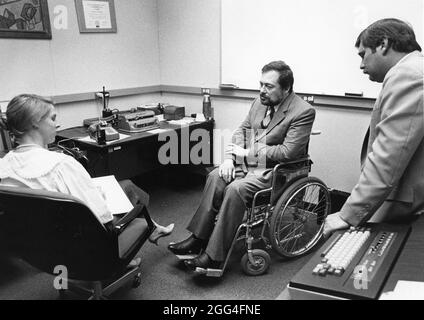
137, 121
173, 112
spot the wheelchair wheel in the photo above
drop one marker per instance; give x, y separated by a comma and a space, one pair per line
298, 218
262, 260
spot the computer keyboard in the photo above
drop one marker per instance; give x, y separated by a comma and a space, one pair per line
341, 254
352, 264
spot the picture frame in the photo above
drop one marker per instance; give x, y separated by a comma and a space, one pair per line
25, 19
96, 16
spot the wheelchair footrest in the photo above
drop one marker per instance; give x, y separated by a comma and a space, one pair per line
210, 272
186, 256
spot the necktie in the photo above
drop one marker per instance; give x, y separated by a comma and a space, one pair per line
268, 117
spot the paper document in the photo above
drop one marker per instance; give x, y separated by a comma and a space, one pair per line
97, 14
89, 139
183, 121
405, 290
116, 199
159, 130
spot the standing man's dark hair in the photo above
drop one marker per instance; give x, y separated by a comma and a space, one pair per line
286, 78
399, 34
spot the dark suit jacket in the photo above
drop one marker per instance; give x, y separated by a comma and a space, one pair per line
286, 137
393, 170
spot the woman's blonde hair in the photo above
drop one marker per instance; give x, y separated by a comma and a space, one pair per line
23, 111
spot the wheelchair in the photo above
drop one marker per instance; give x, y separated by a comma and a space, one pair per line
288, 217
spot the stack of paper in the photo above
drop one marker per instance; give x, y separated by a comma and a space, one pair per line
116, 199
183, 121
405, 290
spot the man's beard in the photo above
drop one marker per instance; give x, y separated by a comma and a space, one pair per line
268, 102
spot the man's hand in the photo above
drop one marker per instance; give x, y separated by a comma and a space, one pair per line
227, 171
333, 222
233, 149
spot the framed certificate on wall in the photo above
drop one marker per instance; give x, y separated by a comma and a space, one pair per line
96, 16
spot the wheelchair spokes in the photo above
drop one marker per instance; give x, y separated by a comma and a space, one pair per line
296, 224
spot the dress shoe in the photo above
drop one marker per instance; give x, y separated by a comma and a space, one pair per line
136, 262
191, 245
160, 232
202, 261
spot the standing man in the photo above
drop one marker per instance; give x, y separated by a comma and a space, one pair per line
391, 184
276, 129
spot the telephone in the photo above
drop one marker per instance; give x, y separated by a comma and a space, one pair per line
111, 134
102, 132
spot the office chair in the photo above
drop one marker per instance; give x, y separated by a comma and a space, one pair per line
50, 230
6, 143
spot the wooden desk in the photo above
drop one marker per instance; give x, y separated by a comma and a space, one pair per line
138, 153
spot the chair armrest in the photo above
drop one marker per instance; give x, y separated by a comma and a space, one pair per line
280, 174
138, 211
283, 165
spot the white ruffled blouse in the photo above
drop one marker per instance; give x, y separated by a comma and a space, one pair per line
38, 168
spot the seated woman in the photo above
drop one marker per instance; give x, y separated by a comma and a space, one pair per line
32, 121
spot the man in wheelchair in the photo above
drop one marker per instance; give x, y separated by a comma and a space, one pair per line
277, 129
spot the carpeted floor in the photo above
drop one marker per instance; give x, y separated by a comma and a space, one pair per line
173, 199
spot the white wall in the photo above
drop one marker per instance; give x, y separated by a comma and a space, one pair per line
169, 42
189, 41
74, 63
336, 151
